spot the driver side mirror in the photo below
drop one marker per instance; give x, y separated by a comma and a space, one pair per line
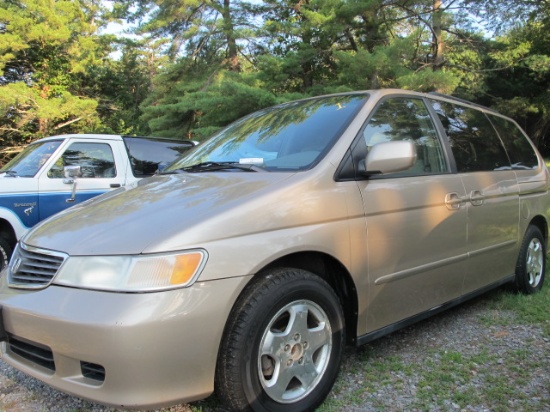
389, 157
71, 173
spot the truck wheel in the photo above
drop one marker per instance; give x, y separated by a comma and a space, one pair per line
531, 263
282, 345
5, 253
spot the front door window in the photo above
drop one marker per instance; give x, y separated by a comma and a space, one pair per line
95, 160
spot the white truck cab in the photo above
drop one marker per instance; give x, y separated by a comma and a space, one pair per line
54, 173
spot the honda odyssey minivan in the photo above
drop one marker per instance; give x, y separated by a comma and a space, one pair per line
246, 266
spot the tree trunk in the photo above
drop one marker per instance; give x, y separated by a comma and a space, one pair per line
232, 52
438, 43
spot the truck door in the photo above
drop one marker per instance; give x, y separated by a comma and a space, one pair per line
102, 168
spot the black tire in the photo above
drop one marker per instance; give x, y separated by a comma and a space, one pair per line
282, 312
531, 265
5, 252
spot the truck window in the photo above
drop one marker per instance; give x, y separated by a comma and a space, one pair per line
95, 160
408, 119
520, 151
146, 154
475, 143
29, 161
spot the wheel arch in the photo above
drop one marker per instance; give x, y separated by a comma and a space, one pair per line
541, 222
334, 273
7, 232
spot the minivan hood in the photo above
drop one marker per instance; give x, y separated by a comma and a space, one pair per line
145, 216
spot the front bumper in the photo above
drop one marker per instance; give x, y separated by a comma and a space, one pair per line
156, 349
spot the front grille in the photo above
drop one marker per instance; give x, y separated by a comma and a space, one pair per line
92, 371
40, 355
32, 267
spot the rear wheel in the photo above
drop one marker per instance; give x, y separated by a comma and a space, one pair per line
282, 345
5, 252
531, 263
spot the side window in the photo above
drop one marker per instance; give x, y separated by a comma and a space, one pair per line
146, 155
95, 160
408, 119
475, 143
520, 151
32, 158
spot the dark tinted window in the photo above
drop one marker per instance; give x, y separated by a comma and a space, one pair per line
519, 150
475, 143
407, 119
146, 154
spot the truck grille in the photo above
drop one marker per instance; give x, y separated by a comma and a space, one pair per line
33, 268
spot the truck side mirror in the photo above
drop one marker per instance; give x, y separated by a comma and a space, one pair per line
71, 174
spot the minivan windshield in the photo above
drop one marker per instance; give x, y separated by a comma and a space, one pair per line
292, 136
30, 160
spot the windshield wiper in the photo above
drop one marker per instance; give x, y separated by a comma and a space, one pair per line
215, 166
10, 173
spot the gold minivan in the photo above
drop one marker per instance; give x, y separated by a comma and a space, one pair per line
247, 265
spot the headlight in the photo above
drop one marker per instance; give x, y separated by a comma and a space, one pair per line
141, 273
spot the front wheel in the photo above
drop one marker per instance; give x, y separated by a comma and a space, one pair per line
531, 263
5, 252
282, 345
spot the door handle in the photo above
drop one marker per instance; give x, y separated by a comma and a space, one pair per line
476, 198
453, 201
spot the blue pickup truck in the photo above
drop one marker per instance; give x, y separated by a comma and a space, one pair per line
57, 172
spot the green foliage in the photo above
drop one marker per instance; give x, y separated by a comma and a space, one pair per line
200, 65
196, 108
31, 112
58, 76
120, 86
45, 46
528, 309
520, 82
427, 81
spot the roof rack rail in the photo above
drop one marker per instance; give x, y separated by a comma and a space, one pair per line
458, 99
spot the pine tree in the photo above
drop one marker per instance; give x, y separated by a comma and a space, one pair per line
45, 48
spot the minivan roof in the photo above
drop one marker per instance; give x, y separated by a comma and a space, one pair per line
459, 100
431, 95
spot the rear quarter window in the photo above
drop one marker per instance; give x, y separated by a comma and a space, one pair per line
474, 141
521, 152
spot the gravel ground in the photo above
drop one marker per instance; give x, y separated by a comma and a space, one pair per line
405, 371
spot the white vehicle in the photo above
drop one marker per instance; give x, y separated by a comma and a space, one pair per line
57, 172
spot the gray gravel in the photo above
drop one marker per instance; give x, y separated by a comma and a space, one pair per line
404, 371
